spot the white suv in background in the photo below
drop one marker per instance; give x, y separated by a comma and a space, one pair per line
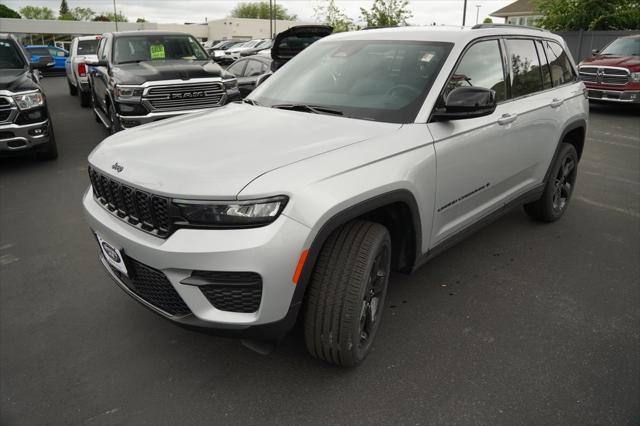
82, 49
370, 151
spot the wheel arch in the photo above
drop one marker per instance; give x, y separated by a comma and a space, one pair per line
397, 210
574, 133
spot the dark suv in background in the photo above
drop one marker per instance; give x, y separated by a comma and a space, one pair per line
145, 76
24, 118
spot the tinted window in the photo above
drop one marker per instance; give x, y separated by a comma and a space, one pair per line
39, 51
87, 47
56, 52
368, 79
254, 68
481, 66
561, 69
623, 47
236, 68
546, 72
526, 76
10, 57
156, 48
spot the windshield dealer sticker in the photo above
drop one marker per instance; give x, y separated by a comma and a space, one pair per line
157, 51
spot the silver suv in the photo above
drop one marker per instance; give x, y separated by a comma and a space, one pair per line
370, 151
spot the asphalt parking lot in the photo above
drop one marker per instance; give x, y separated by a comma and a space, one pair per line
523, 323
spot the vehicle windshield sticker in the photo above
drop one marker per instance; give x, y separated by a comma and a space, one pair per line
157, 51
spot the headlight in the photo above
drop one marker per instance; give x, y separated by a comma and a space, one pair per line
635, 77
231, 84
29, 100
218, 53
128, 93
233, 213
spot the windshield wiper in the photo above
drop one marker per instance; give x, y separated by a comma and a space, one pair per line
251, 102
134, 61
308, 108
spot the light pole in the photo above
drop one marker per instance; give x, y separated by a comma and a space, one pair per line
477, 13
115, 14
464, 13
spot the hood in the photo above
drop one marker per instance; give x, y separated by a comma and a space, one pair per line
613, 61
139, 73
215, 154
16, 80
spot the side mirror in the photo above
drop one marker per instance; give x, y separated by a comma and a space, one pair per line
262, 78
595, 51
467, 102
42, 63
96, 62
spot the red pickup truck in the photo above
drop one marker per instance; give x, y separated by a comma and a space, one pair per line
613, 74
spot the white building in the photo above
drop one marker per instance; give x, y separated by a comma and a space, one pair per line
60, 33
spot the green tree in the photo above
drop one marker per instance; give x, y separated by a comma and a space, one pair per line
387, 13
574, 15
141, 20
260, 10
5, 12
333, 16
487, 20
64, 8
101, 18
35, 12
112, 17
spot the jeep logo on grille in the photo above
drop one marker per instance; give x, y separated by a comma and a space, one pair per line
188, 95
117, 167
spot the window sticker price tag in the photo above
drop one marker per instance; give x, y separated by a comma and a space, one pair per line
157, 51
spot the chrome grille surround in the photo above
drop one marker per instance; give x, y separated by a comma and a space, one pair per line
184, 96
604, 75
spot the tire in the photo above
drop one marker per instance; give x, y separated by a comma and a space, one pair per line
559, 188
347, 291
114, 127
50, 150
85, 99
73, 90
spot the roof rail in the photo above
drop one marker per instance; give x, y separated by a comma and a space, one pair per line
481, 26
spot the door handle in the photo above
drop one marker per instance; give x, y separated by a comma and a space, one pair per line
507, 118
555, 103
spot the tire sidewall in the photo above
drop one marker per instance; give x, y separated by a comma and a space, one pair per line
566, 150
360, 352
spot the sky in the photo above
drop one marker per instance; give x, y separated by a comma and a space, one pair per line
447, 12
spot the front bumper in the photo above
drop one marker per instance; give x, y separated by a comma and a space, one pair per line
621, 96
21, 137
271, 251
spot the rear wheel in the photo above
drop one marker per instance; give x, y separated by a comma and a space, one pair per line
559, 188
73, 90
347, 292
85, 99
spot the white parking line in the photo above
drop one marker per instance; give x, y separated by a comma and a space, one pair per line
628, 212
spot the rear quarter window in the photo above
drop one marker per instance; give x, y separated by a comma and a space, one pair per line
561, 70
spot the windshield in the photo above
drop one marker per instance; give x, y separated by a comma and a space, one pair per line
623, 47
10, 57
156, 48
88, 47
374, 80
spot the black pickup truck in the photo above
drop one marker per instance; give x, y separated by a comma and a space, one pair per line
24, 118
144, 76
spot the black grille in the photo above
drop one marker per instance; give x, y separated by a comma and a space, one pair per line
232, 291
139, 208
153, 286
4, 114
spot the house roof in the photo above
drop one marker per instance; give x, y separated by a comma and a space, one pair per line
518, 7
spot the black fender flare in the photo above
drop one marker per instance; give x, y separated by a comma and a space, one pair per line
350, 213
573, 125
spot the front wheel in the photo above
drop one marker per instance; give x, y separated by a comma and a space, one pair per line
115, 126
559, 188
347, 292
